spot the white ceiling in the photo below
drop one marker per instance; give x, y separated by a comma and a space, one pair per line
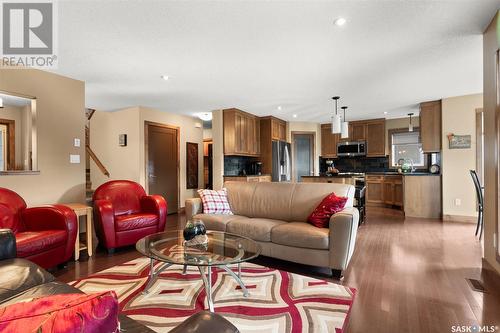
258, 55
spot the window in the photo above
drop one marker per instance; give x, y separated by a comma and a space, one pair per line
407, 146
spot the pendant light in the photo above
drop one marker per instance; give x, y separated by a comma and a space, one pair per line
336, 121
344, 133
410, 126
1, 103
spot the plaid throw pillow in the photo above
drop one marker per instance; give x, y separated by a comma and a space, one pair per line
215, 202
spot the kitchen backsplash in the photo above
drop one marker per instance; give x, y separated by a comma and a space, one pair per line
356, 164
238, 165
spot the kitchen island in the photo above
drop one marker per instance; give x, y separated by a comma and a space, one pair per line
416, 194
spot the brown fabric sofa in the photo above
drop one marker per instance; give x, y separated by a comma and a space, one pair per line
275, 215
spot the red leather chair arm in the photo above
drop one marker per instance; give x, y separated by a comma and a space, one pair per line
104, 220
53, 217
156, 204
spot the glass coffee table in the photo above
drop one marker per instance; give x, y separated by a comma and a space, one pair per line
223, 249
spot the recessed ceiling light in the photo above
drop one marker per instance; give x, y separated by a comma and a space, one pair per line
385, 112
279, 107
205, 116
165, 77
295, 116
340, 21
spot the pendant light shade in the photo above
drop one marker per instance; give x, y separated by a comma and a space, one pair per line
1, 103
336, 120
344, 133
410, 126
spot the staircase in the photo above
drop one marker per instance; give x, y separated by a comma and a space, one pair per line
90, 155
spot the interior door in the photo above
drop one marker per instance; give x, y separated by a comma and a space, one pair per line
303, 155
162, 160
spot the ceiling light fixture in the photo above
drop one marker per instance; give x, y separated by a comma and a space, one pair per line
205, 116
385, 112
336, 121
344, 133
165, 77
410, 126
279, 108
340, 21
295, 116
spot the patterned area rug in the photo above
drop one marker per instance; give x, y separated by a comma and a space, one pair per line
278, 302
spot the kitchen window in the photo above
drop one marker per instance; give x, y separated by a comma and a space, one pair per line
406, 146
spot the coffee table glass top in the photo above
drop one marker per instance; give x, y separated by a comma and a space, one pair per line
222, 249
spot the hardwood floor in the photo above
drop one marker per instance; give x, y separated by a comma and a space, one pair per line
410, 275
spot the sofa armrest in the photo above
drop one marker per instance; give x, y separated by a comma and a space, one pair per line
8, 248
104, 221
193, 207
343, 231
156, 204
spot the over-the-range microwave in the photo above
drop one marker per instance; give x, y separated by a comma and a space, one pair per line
351, 148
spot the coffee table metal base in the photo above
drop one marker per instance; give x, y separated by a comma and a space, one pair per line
206, 276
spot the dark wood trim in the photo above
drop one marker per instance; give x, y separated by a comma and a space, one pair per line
146, 177
11, 148
313, 159
392, 131
19, 173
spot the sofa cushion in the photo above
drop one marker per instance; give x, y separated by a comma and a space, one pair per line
330, 205
135, 221
301, 234
63, 313
18, 275
33, 242
215, 202
216, 222
258, 229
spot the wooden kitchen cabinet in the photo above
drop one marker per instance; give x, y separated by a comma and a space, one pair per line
384, 190
374, 189
375, 137
241, 133
328, 141
270, 129
278, 129
430, 126
357, 131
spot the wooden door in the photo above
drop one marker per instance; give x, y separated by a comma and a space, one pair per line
240, 131
275, 129
303, 155
430, 126
357, 131
162, 163
375, 138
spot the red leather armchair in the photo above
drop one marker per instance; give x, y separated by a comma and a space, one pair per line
45, 235
123, 213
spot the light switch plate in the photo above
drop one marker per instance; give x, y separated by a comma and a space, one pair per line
77, 142
74, 159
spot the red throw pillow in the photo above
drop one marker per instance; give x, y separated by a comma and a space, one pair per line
330, 205
63, 314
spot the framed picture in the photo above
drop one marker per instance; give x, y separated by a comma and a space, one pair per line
459, 141
191, 165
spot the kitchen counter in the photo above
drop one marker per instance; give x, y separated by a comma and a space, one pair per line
333, 176
394, 173
265, 174
249, 178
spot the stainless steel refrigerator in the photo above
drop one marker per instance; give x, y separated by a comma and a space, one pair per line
282, 162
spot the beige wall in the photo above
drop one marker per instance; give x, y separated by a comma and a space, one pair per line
61, 118
207, 133
300, 126
459, 117
129, 162
490, 46
395, 124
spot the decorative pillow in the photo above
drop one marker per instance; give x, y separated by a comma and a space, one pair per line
330, 205
63, 313
215, 202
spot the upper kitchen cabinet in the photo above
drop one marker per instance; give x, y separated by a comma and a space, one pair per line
328, 141
357, 131
241, 133
278, 128
430, 126
375, 137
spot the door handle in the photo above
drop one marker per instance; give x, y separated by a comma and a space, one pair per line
152, 176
